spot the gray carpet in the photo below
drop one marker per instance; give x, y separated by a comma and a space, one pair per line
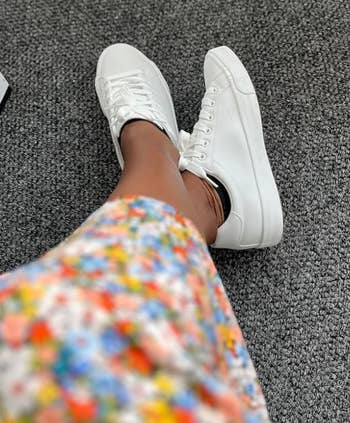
58, 163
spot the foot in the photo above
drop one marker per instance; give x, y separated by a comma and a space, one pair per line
227, 145
130, 87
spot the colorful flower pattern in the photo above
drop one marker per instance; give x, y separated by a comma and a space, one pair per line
125, 321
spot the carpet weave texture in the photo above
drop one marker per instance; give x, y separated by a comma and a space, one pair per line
58, 163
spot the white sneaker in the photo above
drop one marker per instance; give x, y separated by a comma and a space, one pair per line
130, 86
227, 143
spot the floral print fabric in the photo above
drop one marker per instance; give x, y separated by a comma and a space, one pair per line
125, 321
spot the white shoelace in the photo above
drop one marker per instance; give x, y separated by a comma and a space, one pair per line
193, 146
129, 93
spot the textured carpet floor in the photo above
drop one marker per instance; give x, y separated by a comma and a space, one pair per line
58, 163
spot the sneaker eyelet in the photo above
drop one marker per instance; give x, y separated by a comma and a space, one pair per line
212, 103
210, 117
208, 130
203, 156
214, 90
206, 143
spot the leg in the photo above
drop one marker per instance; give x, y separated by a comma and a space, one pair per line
83, 328
151, 169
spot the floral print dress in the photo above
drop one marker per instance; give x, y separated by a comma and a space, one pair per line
125, 321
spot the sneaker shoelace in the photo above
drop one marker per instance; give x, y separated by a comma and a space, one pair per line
193, 146
129, 93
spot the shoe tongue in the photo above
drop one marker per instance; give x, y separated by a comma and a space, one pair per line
211, 70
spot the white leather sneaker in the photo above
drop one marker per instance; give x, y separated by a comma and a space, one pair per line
227, 143
130, 86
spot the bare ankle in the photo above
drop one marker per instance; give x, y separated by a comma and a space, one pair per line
149, 134
209, 212
214, 202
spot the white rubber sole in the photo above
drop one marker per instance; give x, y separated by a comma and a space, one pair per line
269, 200
100, 97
